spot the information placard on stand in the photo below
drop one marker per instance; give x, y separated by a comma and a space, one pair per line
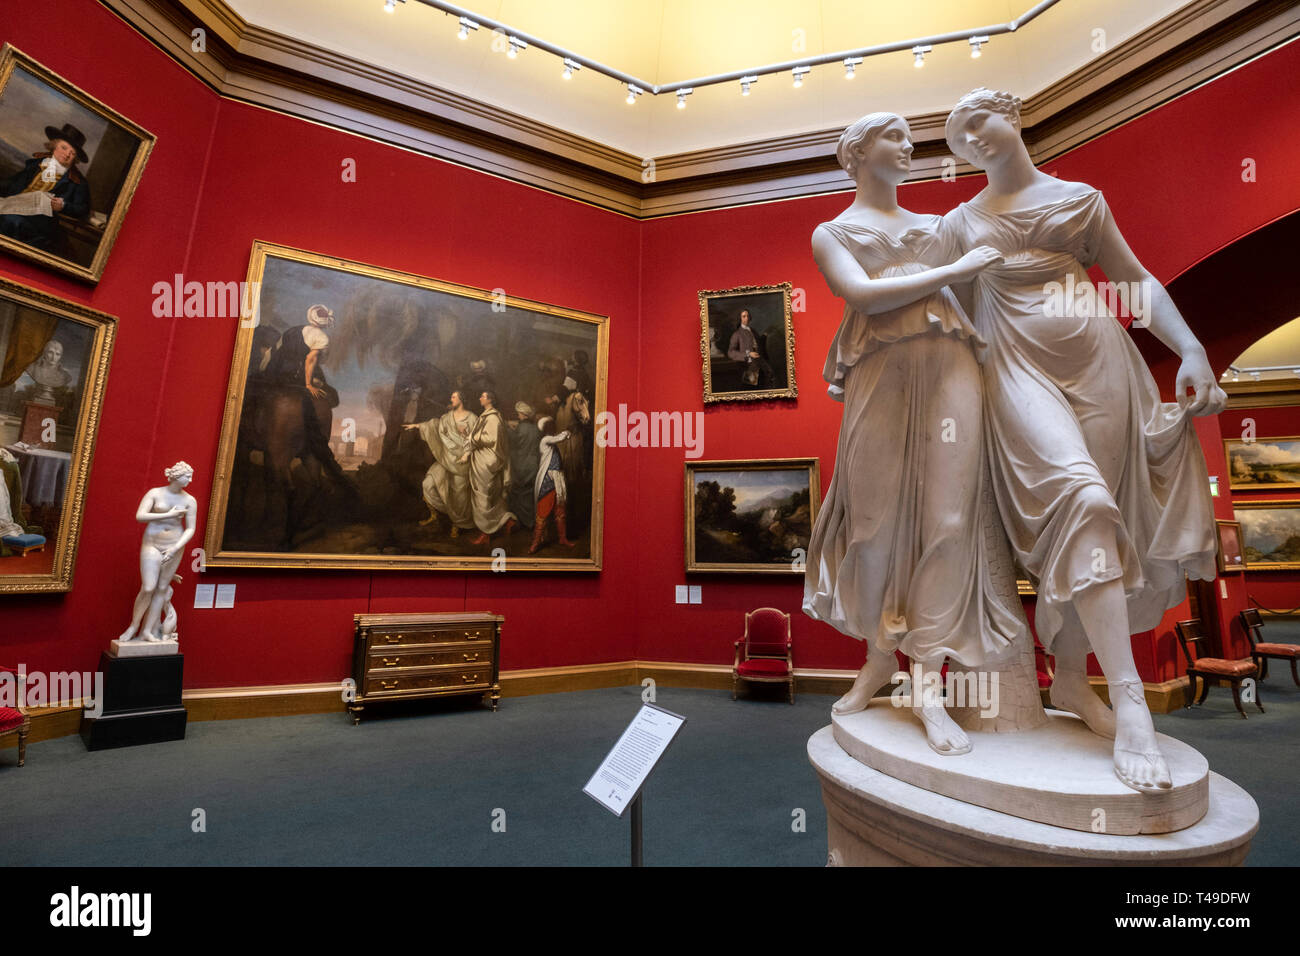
617, 782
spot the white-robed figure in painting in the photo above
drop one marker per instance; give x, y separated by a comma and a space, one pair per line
901, 555
488, 457
446, 483
1102, 488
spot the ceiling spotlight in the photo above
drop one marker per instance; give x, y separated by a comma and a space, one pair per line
516, 45
391, 5
681, 97
1255, 376
851, 64
975, 44
466, 24
745, 83
799, 73
569, 67
919, 53
1235, 376
632, 93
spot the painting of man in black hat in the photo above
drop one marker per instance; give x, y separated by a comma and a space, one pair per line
68, 167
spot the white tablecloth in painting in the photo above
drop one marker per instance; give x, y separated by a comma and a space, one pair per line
45, 474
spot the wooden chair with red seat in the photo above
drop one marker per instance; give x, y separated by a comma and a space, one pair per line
764, 654
1261, 651
14, 721
1208, 668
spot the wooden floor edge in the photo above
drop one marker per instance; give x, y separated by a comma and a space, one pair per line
284, 700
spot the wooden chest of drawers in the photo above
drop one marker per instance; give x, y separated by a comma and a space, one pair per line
401, 656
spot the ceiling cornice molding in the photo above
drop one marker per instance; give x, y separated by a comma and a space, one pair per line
264, 68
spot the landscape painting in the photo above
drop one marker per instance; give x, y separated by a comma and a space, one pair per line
1270, 532
377, 419
750, 516
1265, 463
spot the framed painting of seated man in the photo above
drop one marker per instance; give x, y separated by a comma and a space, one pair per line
68, 168
54, 359
747, 343
377, 419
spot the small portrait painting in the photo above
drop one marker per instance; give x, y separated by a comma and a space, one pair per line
747, 343
1231, 554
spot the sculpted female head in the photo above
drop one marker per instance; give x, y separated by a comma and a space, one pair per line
984, 126
881, 142
181, 473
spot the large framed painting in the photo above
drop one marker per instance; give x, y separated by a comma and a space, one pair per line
1230, 556
56, 357
747, 343
378, 419
751, 516
1263, 464
1270, 534
68, 167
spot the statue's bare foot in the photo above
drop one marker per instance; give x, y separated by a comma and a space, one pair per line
1138, 760
1071, 692
941, 731
875, 674
127, 634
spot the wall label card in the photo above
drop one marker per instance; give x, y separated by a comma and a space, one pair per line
204, 594
225, 595
618, 780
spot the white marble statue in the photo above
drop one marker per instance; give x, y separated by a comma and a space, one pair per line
169, 515
1102, 488
898, 556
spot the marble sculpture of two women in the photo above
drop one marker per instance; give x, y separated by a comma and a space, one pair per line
974, 405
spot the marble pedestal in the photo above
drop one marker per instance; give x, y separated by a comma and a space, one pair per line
142, 648
874, 819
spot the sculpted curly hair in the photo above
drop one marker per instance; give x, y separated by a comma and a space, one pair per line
861, 133
979, 99
179, 470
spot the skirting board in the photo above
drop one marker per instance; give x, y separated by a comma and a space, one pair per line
283, 700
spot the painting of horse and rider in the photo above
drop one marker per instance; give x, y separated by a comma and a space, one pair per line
378, 419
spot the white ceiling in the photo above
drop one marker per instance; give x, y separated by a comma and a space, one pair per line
665, 41
1281, 347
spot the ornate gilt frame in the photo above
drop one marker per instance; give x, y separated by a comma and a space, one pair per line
83, 448
755, 464
11, 58
216, 520
1228, 444
1220, 557
791, 390
1287, 503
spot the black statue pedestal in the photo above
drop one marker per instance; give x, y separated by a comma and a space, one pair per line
142, 702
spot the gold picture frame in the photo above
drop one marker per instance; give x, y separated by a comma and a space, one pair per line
78, 245
726, 377
49, 476
414, 312
1256, 531
1280, 474
727, 539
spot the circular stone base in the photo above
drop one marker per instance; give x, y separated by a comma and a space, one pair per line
1059, 773
876, 820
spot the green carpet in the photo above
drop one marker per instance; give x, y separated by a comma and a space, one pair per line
420, 786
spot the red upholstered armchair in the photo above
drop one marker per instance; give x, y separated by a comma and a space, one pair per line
764, 653
14, 721
1210, 668
1261, 650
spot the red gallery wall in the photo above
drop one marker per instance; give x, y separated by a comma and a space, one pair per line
224, 175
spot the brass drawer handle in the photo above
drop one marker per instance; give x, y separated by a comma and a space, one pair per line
470, 657
392, 638
472, 635
389, 684
391, 661
468, 678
